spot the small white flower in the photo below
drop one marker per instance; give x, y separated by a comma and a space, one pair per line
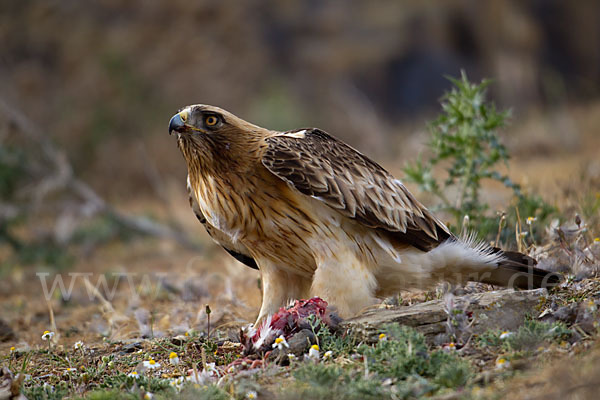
280, 343
151, 364
502, 363
47, 335
12, 350
449, 347
328, 354
133, 375
313, 353
148, 396
211, 369
383, 337
251, 395
174, 358
291, 357
70, 371
78, 345
506, 335
531, 220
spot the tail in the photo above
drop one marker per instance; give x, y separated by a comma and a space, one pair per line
519, 271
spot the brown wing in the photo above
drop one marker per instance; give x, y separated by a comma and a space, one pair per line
321, 166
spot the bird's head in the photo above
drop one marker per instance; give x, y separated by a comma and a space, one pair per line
210, 135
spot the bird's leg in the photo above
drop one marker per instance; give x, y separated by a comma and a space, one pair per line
279, 287
345, 283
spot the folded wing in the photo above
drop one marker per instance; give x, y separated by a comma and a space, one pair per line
319, 165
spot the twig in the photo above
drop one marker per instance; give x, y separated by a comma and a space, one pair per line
208, 321
52, 324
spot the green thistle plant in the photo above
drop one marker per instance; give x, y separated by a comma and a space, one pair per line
464, 140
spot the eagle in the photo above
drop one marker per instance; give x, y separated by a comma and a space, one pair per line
318, 218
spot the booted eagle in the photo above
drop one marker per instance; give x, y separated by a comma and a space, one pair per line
318, 218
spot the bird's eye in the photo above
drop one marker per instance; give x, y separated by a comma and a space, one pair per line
211, 120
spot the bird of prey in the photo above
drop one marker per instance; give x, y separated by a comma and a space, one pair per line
318, 218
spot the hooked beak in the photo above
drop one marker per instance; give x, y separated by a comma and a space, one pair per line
177, 122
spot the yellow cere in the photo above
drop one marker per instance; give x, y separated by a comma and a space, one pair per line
183, 115
173, 355
315, 347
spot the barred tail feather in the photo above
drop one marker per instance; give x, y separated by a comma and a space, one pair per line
518, 270
513, 269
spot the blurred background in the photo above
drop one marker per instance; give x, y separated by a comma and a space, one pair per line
87, 89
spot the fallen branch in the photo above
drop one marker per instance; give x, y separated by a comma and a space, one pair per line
502, 309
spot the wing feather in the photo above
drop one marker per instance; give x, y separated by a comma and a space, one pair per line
327, 169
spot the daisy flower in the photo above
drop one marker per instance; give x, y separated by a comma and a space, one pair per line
531, 220
291, 357
505, 335
328, 354
133, 374
148, 396
70, 371
47, 335
280, 343
449, 347
382, 337
12, 350
502, 363
313, 353
211, 370
174, 358
251, 395
151, 364
78, 345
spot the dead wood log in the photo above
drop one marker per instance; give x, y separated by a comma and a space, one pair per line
503, 309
